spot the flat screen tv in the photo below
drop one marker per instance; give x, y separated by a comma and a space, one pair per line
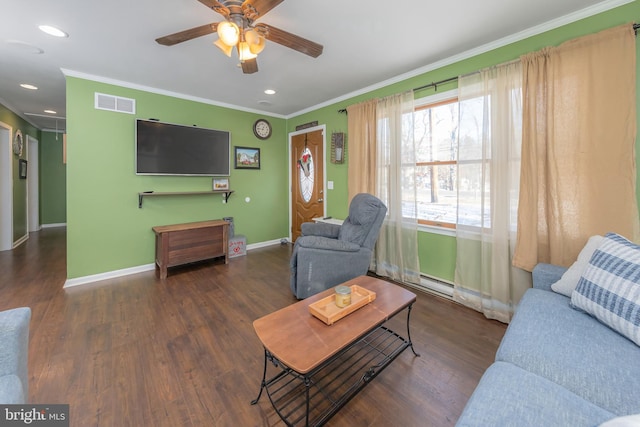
169, 149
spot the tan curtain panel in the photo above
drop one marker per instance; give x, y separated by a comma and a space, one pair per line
362, 158
381, 162
578, 175
489, 145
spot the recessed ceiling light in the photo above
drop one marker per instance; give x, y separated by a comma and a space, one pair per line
28, 86
53, 31
24, 46
49, 111
270, 91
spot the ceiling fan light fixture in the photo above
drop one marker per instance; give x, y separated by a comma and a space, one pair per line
244, 52
239, 30
229, 33
255, 40
256, 48
226, 49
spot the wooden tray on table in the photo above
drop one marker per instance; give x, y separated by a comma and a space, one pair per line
327, 310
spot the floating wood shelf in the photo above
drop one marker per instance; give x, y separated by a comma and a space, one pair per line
144, 194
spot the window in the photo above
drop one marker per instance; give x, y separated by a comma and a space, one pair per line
446, 190
436, 141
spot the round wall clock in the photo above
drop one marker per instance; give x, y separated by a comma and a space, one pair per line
18, 144
262, 129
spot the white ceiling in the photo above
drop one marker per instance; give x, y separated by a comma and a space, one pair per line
365, 43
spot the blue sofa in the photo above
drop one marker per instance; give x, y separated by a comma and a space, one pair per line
556, 366
14, 344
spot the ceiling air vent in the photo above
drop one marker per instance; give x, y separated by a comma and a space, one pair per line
115, 103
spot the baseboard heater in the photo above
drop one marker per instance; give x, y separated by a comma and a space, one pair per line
437, 286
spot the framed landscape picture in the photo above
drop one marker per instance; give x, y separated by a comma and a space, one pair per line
247, 158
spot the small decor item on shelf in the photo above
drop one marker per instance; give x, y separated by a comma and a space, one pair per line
343, 296
220, 184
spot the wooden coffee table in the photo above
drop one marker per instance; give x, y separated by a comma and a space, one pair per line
319, 368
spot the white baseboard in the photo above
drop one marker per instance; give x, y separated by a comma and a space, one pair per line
264, 244
107, 275
20, 241
59, 224
77, 281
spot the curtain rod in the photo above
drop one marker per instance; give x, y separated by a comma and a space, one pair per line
432, 84
435, 84
452, 79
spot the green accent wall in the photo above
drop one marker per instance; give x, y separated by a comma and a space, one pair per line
19, 185
106, 230
53, 179
437, 253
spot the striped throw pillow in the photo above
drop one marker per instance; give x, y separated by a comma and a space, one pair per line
609, 288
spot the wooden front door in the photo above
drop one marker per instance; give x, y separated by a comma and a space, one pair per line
307, 176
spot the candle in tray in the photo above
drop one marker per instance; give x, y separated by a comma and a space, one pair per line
343, 296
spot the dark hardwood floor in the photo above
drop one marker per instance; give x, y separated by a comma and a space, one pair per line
139, 351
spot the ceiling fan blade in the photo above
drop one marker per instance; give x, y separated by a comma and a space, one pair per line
185, 35
216, 6
261, 6
250, 66
292, 41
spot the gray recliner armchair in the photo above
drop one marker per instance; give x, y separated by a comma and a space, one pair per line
329, 254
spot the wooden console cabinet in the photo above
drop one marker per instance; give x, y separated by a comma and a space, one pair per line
195, 241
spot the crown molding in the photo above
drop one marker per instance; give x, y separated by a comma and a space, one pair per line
521, 35
107, 80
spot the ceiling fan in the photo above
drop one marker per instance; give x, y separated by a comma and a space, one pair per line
240, 30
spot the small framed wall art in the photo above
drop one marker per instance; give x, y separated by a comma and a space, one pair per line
337, 147
247, 158
220, 184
